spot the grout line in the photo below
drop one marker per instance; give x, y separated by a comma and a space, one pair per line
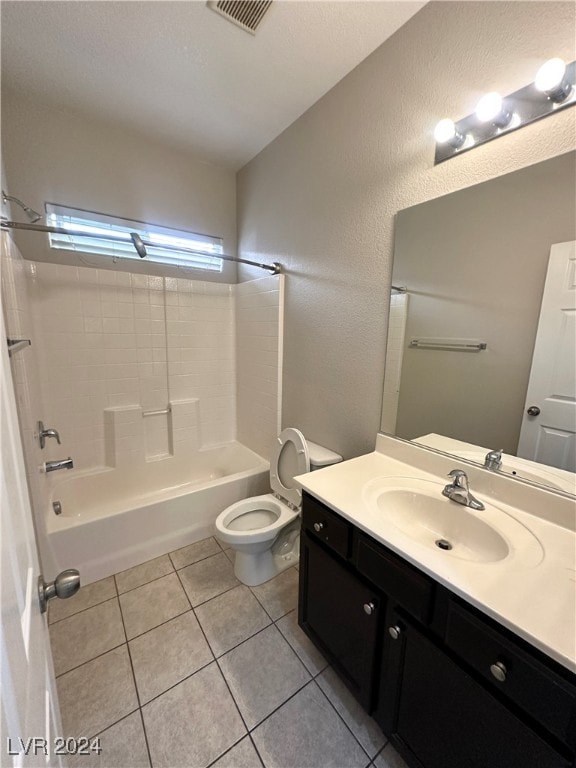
200, 559
114, 723
136, 687
174, 568
387, 741
175, 685
98, 656
257, 751
162, 623
222, 675
141, 713
258, 632
344, 721
156, 578
312, 674
229, 589
267, 611
246, 735
292, 695
82, 610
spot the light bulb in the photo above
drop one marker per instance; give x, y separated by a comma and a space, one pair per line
446, 133
491, 109
551, 80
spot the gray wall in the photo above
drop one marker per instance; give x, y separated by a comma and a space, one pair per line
475, 264
62, 157
322, 197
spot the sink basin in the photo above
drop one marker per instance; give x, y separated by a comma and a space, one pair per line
417, 508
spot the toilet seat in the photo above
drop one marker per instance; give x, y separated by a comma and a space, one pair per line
253, 527
268, 503
289, 458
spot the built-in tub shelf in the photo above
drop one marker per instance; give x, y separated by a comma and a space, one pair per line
15, 345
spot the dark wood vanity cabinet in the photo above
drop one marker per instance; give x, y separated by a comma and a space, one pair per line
448, 686
340, 612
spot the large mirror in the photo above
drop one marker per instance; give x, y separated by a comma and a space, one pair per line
469, 275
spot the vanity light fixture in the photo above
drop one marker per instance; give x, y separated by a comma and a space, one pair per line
551, 79
446, 133
492, 109
553, 89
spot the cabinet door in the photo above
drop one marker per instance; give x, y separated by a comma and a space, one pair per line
445, 719
340, 614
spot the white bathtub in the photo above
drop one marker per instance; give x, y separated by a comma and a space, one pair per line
113, 519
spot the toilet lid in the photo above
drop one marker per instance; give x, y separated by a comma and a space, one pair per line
289, 457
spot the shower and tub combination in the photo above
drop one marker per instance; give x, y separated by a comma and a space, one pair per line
114, 519
151, 383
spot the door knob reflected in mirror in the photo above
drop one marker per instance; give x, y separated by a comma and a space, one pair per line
533, 410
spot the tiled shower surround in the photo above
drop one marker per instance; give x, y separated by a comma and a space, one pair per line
109, 342
108, 345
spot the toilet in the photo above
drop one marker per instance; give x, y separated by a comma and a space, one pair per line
265, 530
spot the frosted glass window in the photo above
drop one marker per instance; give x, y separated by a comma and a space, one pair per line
185, 248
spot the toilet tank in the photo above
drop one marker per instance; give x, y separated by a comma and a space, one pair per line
320, 456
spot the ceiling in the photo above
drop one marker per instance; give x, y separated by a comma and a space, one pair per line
183, 74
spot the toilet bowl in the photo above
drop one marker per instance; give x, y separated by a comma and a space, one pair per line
264, 530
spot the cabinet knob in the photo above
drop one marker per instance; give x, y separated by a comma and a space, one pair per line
394, 632
369, 608
318, 527
499, 671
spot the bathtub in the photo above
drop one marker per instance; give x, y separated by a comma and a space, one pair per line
113, 519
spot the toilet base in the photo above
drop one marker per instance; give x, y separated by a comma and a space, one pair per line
254, 568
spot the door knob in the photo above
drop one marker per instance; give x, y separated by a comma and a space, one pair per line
533, 410
369, 608
318, 527
64, 585
395, 632
499, 671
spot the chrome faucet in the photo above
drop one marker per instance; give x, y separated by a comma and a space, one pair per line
493, 460
44, 433
52, 466
459, 491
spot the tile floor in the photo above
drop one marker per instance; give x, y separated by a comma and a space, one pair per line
174, 663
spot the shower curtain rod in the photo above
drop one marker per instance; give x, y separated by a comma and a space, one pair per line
139, 244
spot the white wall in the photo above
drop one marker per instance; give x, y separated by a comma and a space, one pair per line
59, 157
322, 197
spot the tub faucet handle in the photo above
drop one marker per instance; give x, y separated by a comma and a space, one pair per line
43, 433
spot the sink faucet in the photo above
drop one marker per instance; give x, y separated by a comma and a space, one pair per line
493, 460
52, 466
459, 491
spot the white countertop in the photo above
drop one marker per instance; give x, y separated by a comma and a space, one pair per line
533, 596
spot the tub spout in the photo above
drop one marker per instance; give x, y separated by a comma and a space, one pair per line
52, 466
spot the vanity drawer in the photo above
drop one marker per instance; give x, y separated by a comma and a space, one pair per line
325, 525
398, 579
522, 678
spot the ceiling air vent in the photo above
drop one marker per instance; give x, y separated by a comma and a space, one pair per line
244, 13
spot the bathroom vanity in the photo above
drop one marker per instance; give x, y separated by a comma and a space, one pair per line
465, 656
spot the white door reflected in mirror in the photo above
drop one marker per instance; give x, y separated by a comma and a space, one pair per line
548, 433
